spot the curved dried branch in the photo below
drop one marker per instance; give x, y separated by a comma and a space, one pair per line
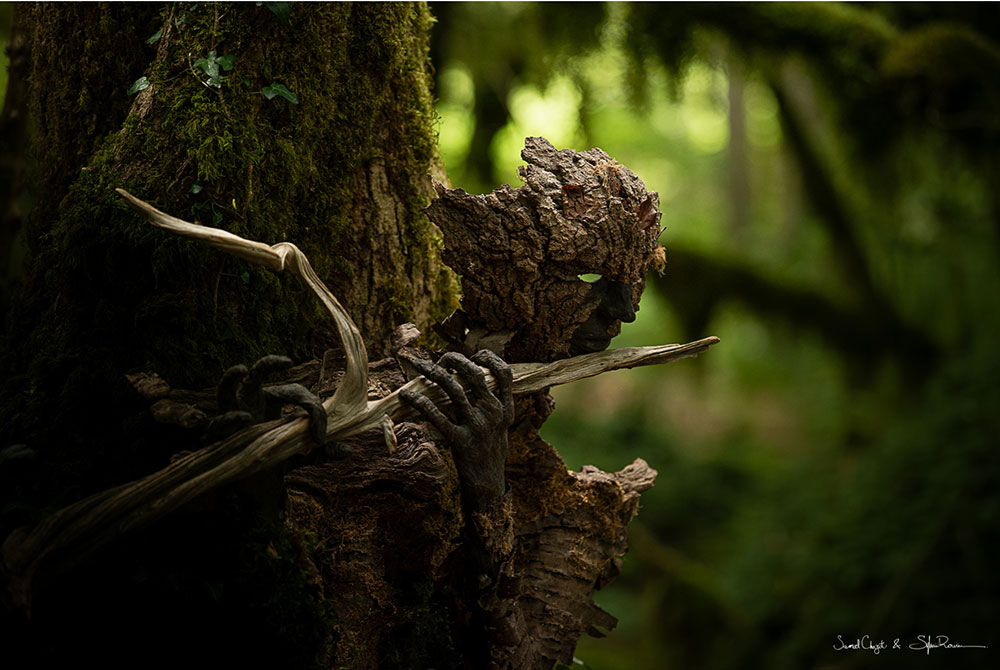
352, 393
86, 525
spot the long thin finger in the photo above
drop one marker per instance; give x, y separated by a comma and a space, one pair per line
505, 380
430, 412
228, 423
295, 394
452, 388
268, 365
469, 372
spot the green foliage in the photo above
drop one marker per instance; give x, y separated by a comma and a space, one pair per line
273, 90
210, 66
283, 10
141, 84
515, 44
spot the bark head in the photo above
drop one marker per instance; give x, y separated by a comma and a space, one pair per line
521, 252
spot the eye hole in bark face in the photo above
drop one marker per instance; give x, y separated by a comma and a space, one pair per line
590, 278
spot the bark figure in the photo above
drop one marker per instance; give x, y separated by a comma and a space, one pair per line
499, 632
520, 252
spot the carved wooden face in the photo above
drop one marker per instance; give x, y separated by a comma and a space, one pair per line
520, 252
616, 303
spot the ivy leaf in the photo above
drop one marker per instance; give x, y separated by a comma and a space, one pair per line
203, 62
217, 219
279, 89
210, 66
155, 37
140, 84
196, 187
245, 276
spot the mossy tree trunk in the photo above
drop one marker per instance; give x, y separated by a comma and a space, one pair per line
338, 164
344, 174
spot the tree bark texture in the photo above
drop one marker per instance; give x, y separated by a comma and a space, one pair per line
520, 251
391, 551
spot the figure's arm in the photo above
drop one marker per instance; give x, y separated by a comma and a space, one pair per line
478, 440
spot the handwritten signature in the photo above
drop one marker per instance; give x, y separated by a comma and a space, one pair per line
863, 642
928, 642
924, 643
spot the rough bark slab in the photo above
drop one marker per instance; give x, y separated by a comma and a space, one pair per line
378, 523
519, 251
570, 536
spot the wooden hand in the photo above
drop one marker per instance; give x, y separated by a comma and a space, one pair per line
245, 401
478, 434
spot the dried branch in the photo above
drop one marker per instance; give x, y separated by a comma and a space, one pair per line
352, 393
76, 530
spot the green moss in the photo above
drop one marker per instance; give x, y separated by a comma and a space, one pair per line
269, 171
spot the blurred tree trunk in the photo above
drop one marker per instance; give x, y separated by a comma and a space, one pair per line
738, 154
339, 164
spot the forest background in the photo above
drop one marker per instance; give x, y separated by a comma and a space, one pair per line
829, 181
